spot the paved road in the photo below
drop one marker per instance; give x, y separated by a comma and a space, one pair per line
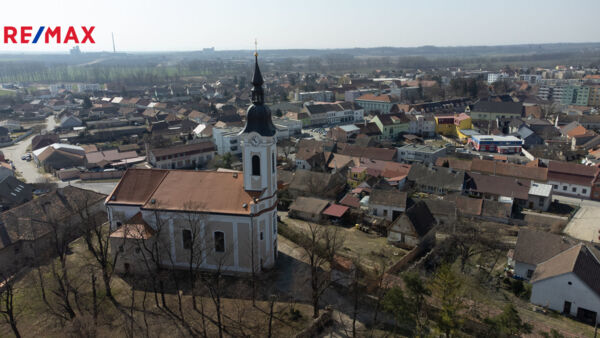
31, 173
585, 224
28, 170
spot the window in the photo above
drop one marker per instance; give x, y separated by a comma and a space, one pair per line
529, 273
275, 223
187, 239
556, 186
255, 165
273, 163
384, 213
119, 224
584, 191
219, 241
121, 249
261, 235
574, 189
565, 188
374, 212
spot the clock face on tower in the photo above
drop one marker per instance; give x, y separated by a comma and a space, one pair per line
254, 140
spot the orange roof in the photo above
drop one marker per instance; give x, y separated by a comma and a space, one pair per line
135, 228
372, 97
577, 131
182, 190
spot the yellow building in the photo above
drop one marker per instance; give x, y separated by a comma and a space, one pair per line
451, 125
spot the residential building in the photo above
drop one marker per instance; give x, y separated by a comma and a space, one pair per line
540, 196
14, 192
576, 95
193, 155
534, 247
377, 104
59, 155
568, 283
333, 113
234, 213
320, 96
574, 179
308, 208
343, 133
351, 95
418, 153
492, 110
227, 140
101, 159
392, 125
494, 77
423, 125
413, 228
387, 204
452, 125
70, 121
436, 180
29, 230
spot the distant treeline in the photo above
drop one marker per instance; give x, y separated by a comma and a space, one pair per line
142, 69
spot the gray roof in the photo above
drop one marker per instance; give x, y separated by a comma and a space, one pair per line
540, 189
512, 108
534, 247
388, 197
436, 176
309, 205
15, 191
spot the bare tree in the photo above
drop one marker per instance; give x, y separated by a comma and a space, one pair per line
320, 246
7, 305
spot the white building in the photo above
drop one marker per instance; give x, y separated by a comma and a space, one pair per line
351, 95
321, 96
387, 204
419, 153
568, 283
421, 124
228, 218
227, 140
334, 113
493, 77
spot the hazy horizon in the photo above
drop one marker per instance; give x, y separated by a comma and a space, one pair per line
175, 26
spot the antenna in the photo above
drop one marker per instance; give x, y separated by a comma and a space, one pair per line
113, 41
255, 47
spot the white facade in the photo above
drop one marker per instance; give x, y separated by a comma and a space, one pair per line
555, 291
576, 190
421, 125
493, 77
323, 96
227, 140
385, 211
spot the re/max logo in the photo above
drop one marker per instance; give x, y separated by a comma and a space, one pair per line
57, 34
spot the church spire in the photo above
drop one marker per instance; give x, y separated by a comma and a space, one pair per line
258, 96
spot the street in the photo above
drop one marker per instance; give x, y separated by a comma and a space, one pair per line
30, 173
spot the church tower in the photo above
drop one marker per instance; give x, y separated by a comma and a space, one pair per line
258, 141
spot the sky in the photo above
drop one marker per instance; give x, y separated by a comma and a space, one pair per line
177, 25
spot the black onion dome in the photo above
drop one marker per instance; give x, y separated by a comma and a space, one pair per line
258, 116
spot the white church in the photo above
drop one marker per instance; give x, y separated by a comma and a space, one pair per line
210, 219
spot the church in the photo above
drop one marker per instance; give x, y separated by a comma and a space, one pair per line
225, 220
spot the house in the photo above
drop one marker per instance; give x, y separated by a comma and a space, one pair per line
574, 179
101, 159
316, 184
310, 154
40, 141
436, 180
308, 208
498, 188
59, 155
14, 192
498, 168
27, 231
388, 204
234, 211
377, 103
421, 124
412, 153
6, 169
11, 125
372, 153
227, 140
540, 196
534, 247
529, 137
413, 228
321, 113
70, 121
193, 155
343, 133
568, 283
492, 110
392, 125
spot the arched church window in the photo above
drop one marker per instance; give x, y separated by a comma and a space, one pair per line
256, 165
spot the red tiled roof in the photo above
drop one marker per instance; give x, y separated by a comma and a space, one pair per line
351, 201
335, 210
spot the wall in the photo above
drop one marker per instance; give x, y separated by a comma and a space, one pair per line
559, 188
378, 210
553, 292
